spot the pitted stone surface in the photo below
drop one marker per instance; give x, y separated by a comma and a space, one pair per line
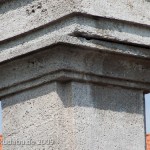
30, 14
74, 73
75, 116
72, 59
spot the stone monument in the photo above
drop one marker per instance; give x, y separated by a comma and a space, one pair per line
73, 74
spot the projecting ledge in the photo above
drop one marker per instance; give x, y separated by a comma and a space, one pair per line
65, 63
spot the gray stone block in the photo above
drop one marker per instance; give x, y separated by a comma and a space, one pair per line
75, 116
74, 73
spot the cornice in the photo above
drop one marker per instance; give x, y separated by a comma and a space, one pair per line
68, 62
64, 76
80, 33
82, 30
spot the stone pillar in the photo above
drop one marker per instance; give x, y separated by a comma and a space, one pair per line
73, 74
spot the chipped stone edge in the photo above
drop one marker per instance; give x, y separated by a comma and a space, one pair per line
72, 35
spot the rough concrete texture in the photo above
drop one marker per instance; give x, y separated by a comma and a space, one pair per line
53, 22
44, 66
75, 116
63, 24
30, 14
74, 72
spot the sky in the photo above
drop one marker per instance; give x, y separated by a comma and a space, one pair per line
147, 109
147, 103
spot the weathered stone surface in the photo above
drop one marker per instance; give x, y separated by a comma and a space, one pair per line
76, 116
67, 62
74, 72
30, 14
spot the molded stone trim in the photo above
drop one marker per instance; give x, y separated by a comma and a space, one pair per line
67, 76
65, 62
82, 30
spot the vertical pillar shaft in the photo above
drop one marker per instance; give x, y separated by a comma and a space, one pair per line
75, 116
